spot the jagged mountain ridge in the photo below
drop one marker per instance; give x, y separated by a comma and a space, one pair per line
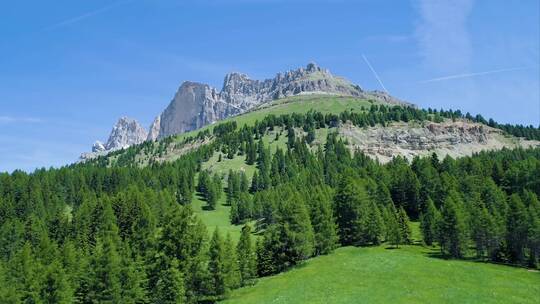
196, 105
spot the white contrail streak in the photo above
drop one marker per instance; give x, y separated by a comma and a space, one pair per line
84, 16
466, 75
374, 73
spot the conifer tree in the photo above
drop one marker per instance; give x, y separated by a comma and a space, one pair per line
371, 224
517, 228
105, 267
348, 201
27, 271
216, 266
55, 287
428, 222
290, 240
8, 293
323, 223
232, 271
404, 226
533, 227
254, 183
170, 285
392, 227
451, 229
247, 259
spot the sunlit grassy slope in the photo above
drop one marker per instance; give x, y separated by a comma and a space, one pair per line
411, 274
295, 104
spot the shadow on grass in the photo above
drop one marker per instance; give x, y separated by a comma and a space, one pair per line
207, 208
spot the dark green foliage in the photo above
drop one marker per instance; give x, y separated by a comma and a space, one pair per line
516, 223
428, 222
289, 240
451, 229
169, 287
323, 223
349, 199
216, 266
247, 259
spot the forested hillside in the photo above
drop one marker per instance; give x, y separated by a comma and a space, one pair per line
114, 231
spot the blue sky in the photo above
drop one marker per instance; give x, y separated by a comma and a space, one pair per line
69, 69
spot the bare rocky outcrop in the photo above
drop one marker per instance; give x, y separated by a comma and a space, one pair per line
153, 132
459, 138
126, 132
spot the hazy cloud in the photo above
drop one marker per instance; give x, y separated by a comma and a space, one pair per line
86, 15
11, 119
467, 75
442, 34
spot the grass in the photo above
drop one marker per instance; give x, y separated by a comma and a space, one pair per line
411, 274
294, 104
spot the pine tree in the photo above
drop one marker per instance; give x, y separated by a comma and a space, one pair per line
55, 287
232, 271
105, 267
404, 226
290, 240
27, 273
516, 223
216, 266
323, 223
533, 227
8, 293
254, 183
451, 229
183, 237
392, 227
372, 224
170, 285
428, 221
350, 197
247, 260
133, 280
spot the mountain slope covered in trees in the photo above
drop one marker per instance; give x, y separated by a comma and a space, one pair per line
190, 218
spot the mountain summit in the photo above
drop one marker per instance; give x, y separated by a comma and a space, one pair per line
197, 104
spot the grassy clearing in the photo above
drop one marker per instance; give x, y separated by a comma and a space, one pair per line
411, 274
218, 218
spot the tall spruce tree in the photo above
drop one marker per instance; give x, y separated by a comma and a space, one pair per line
323, 223
247, 259
451, 229
428, 222
517, 229
216, 266
232, 271
348, 201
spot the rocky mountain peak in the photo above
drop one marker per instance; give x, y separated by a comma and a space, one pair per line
197, 104
126, 132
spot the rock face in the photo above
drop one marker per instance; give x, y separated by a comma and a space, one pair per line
196, 105
153, 132
125, 133
459, 138
98, 147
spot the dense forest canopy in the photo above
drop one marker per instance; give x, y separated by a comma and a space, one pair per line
115, 232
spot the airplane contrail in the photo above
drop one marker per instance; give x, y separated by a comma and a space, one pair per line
466, 75
374, 73
86, 15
